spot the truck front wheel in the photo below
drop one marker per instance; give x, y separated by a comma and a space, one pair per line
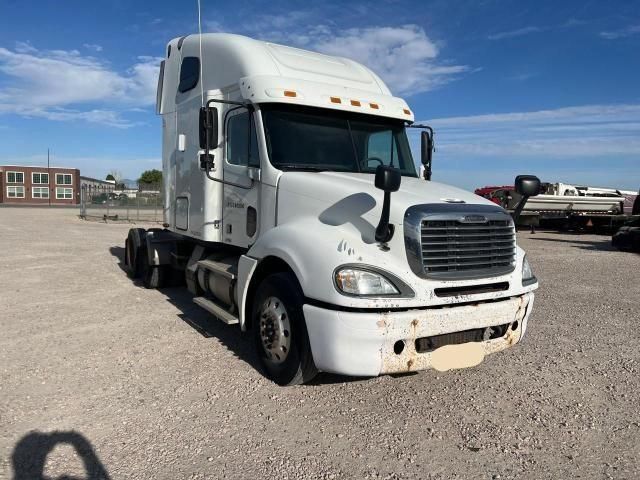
280, 332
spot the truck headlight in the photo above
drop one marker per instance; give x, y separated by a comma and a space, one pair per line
364, 282
527, 273
360, 280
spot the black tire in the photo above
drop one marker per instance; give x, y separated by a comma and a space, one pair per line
133, 251
636, 206
635, 241
297, 367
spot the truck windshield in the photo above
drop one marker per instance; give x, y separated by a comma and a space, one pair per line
317, 139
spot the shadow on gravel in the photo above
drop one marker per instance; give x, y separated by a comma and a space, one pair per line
29, 456
210, 327
231, 336
118, 252
602, 245
200, 320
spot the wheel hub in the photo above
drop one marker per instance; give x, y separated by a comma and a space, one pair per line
275, 330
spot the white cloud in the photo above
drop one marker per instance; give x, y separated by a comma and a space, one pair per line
103, 117
25, 47
92, 46
589, 144
291, 20
212, 26
571, 132
515, 33
522, 77
66, 85
582, 114
403, 56
621, 33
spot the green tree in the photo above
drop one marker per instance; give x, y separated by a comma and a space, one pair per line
116, 176
151, 176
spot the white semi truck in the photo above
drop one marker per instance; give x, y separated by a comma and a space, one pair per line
294, 209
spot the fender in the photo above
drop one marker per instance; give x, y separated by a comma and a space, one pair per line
308, 248
160, 244
246, 268
277, 242
313, 250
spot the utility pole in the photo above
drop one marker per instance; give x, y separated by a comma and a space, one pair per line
48, 178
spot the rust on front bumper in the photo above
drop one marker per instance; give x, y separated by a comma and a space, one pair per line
432, 322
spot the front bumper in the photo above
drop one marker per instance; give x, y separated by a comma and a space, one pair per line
362, 344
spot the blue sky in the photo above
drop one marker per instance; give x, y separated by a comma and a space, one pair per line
550, 88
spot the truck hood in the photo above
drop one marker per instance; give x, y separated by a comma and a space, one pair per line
331, 194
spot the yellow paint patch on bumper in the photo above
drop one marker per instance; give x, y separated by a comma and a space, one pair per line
464, 355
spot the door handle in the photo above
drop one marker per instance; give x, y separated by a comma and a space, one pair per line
253, 174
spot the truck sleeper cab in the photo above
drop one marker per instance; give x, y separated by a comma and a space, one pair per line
294, 209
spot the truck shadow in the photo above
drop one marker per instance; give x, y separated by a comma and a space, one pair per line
118, 252
29, 457
600, 245
210, 327
351, 210
200, 320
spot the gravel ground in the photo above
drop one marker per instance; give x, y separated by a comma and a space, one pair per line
143, 384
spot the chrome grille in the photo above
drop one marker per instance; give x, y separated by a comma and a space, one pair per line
454, 249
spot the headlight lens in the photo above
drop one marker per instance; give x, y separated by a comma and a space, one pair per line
353, 281
527, 273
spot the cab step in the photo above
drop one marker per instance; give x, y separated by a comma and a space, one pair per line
225, 267
215, 309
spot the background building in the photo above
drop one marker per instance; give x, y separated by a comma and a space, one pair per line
39, 185
93, 184
93, 190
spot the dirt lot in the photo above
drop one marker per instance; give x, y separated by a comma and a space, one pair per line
145, 385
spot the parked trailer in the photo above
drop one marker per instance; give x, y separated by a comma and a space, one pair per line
569, 207
294, 210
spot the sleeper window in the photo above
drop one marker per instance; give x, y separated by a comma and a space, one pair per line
189, 73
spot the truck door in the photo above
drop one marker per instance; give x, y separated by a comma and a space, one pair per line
188, 178
241, 176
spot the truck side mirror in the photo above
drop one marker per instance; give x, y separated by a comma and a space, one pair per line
388, 180
426, 150
208, 123
527, 186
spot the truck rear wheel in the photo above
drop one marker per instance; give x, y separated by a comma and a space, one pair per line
280, 332
133, 247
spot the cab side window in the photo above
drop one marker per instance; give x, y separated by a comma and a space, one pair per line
242, 144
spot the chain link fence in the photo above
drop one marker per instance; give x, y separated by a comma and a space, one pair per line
144, 204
